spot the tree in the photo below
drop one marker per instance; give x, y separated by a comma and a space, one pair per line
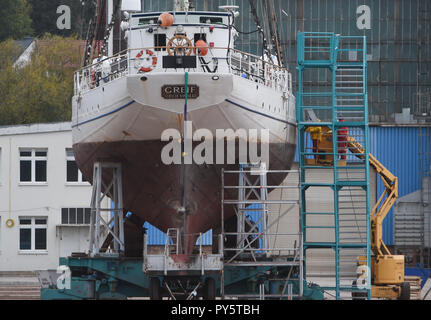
15, 21
42, 90
8, 80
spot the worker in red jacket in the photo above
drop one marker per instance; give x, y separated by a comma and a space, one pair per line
342, 141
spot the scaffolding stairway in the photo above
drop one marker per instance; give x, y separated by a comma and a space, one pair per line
333, 94
260, 248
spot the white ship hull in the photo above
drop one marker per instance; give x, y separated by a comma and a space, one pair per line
129, 109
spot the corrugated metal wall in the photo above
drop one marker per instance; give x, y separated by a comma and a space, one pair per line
399, 41
158, 238
397, 148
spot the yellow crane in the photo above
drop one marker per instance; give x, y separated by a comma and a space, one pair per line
387, 270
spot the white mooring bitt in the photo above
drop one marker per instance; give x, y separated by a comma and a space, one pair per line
100, 229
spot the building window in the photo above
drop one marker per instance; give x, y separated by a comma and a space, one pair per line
75, 215
33, 165
32, 233
73, 173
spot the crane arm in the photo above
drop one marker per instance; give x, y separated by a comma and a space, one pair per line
384, 203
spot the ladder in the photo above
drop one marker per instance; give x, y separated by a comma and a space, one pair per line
332, 93
260, 246
173, 241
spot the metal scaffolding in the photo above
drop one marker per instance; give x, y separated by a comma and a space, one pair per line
107, 183
257, 242
343, 231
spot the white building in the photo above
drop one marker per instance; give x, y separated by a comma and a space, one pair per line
44, 202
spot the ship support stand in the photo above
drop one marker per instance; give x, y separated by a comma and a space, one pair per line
263, 263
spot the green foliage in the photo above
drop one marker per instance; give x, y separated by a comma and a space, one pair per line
15, 21
42, 90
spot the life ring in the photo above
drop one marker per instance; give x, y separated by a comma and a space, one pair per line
145, 63
10, 223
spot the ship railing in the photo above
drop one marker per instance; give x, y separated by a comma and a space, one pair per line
219, 61
175, 240
284, 248
201, 260
259, 70
106, 70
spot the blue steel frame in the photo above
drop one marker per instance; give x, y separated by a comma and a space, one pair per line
331, 63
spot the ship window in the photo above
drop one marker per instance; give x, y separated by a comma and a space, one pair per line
211, 20
160, 41
146, 21
200, 36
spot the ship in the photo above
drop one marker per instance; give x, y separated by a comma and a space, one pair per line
179, 66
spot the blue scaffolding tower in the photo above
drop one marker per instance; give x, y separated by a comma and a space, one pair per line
332, 103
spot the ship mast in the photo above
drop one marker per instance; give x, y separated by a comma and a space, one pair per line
100, 33
184, 5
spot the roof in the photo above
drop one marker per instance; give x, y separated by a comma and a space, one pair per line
35, 128
24, 44
414, 197
27, 45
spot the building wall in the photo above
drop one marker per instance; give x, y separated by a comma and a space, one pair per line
398, 149
156, 237
318, 200
45, 200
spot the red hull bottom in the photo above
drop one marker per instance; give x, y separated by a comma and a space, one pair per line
152, 190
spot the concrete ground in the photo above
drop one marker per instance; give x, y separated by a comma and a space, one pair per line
19, 286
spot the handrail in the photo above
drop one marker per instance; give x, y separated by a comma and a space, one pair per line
165, 47
246, 65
